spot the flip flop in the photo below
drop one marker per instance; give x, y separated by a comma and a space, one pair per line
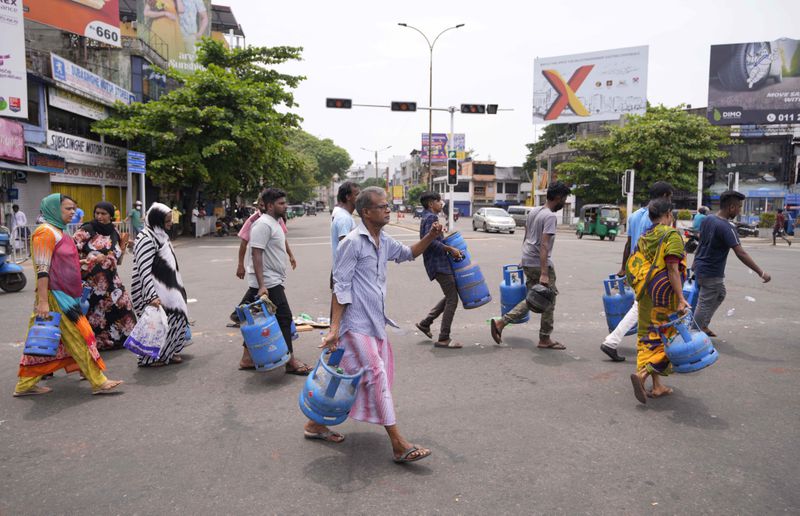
35, 391
303, 370
246, 368
449, 344
669, 391
402, 459
497, 334
330, 436
107, 387
554, 345
176, 359
426, 332
638, 389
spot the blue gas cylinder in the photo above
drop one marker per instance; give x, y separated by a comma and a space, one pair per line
513, 290
262, 336
472, 287
87, 291
690, 349
44, 336
457, 241
329, 393
617, 300
690, 292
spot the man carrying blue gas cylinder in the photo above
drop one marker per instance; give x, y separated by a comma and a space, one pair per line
437, 265
638, 224
537, 248
359, 321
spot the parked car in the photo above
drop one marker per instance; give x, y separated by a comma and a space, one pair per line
297, 210
519, 214
493, 219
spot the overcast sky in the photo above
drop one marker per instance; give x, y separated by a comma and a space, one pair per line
355, 49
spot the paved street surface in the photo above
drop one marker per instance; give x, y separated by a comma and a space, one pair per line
514, 430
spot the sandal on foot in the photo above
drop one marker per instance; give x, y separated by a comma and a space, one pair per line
406, 456
246, 367
449, 343
554, 345
175, 359
497, 333
638, 388
330, 436
303, 370
424, 330
107, 387
651, 394
35, 391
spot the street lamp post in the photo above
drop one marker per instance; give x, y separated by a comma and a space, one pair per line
376, 151
430, 90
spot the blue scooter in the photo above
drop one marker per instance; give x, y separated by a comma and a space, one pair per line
12, 277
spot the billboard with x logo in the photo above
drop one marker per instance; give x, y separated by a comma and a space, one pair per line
590, 87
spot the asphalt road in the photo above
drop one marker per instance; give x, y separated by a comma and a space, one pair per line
513, 430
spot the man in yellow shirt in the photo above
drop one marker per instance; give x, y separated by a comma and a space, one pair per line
176, 220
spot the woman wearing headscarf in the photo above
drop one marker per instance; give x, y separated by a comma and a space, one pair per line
59, 289
101, 249
157, 281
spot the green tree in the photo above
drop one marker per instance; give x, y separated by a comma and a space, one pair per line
330, 159
664, 144
413, 194
225, 129
373, 181
552, 134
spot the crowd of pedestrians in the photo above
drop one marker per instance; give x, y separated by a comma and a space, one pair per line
654, 263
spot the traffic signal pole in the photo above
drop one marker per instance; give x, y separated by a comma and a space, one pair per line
450, 221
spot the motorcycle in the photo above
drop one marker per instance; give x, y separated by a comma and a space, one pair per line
12, 277
692, 240
746, 230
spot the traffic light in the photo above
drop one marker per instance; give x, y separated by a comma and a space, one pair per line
491, 109
339, 103
404, 106
452, 171
473, 108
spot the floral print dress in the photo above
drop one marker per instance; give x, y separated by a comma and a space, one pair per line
110, 310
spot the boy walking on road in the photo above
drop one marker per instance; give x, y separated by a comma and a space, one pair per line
437, 265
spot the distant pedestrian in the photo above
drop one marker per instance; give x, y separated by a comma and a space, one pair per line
537, 248
101, 250
267, 257
58, 289
701, 215
638, 224
176, 221
157, 282
779, 229
717, 238
437, 266
342, 222
359, 320
77, 218
135, 220
20, 224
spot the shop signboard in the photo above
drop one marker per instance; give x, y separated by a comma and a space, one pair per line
439, 145
81, 80
175, 31
89, 175
588, 87
755, 83
13, 78
12, 141
46, 162
95, 19
73, 103
80, 150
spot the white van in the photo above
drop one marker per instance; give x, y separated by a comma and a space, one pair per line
519, 214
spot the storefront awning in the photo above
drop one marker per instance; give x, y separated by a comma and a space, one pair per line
14, 167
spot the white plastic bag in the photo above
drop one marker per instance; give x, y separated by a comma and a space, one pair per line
150, 333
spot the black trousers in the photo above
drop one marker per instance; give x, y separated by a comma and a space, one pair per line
277, 295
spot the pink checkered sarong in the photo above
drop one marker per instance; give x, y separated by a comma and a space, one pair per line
373, 402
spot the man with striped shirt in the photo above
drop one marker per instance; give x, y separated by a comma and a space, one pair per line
359, 319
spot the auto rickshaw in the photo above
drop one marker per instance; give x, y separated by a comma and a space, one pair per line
599, 219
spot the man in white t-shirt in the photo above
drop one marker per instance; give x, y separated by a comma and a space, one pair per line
266, 271
342, 221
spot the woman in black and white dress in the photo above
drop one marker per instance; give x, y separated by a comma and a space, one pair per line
157, 281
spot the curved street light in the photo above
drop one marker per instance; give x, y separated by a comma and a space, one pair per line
376, 151
430, 88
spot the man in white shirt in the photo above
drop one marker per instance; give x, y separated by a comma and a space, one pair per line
21, 222
266, 271
342, 221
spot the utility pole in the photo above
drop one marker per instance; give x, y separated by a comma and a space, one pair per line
699, 185
450, 148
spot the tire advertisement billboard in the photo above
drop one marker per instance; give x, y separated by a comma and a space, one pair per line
755, 83
95, 19
588, 87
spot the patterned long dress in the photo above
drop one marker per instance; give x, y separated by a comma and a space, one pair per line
156, 275
110, 308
